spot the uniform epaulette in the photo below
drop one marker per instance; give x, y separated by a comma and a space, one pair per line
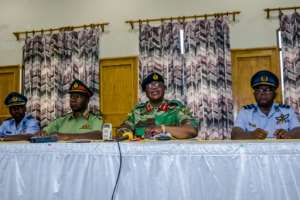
175, 102
283, 106
30, 117
66, 114
7, 119
248, 107
98, 115
140, 105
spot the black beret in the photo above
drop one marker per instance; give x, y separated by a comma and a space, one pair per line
150, 78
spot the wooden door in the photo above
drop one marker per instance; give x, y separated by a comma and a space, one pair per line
9, 82
245, 63
118, 88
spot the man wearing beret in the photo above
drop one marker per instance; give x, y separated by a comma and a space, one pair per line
159, 115
266, 118
20, 126
80, 123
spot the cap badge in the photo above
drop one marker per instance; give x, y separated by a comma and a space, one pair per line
264, 78
155, 77
75, 85
15, 99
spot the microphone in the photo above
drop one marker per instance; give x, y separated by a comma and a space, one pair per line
126, 136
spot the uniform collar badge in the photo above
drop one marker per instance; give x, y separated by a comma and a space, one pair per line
162, 107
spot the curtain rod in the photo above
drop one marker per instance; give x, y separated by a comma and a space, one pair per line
183, 18
279, 9
64, 28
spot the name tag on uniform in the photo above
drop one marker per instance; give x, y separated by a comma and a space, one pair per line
85, 126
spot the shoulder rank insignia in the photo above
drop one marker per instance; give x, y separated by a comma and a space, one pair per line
283, 106
174, 103
8, 119
97, 115
281, 119
248, 107
140, 105
29, 117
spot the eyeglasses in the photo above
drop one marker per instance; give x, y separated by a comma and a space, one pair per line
75, 95
154, 84
263, 90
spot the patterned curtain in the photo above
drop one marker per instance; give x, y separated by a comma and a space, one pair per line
51, 63
290, 37
201, 77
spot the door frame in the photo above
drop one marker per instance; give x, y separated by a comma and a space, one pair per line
266, 53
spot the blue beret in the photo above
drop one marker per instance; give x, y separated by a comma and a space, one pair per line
264, 78
150, 78
78, 86
15, 99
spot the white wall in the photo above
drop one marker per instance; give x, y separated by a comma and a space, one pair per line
251, 30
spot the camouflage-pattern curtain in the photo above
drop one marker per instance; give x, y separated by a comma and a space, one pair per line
201, 77
290, 35
51, 63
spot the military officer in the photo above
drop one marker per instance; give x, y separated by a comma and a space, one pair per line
159, 114
20, 126
266, 118
80, 123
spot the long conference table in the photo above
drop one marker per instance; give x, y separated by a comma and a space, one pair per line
175, 170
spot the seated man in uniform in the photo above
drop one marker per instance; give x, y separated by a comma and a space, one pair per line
80, 123
266, 118
158, 114
20, 126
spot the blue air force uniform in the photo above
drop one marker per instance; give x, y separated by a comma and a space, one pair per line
280, 117
28, 125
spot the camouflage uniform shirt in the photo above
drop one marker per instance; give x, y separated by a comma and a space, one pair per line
169, 113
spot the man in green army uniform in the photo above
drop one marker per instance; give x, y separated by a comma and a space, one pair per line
80, 123
159, 115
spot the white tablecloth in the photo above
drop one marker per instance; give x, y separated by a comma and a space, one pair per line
177, 170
